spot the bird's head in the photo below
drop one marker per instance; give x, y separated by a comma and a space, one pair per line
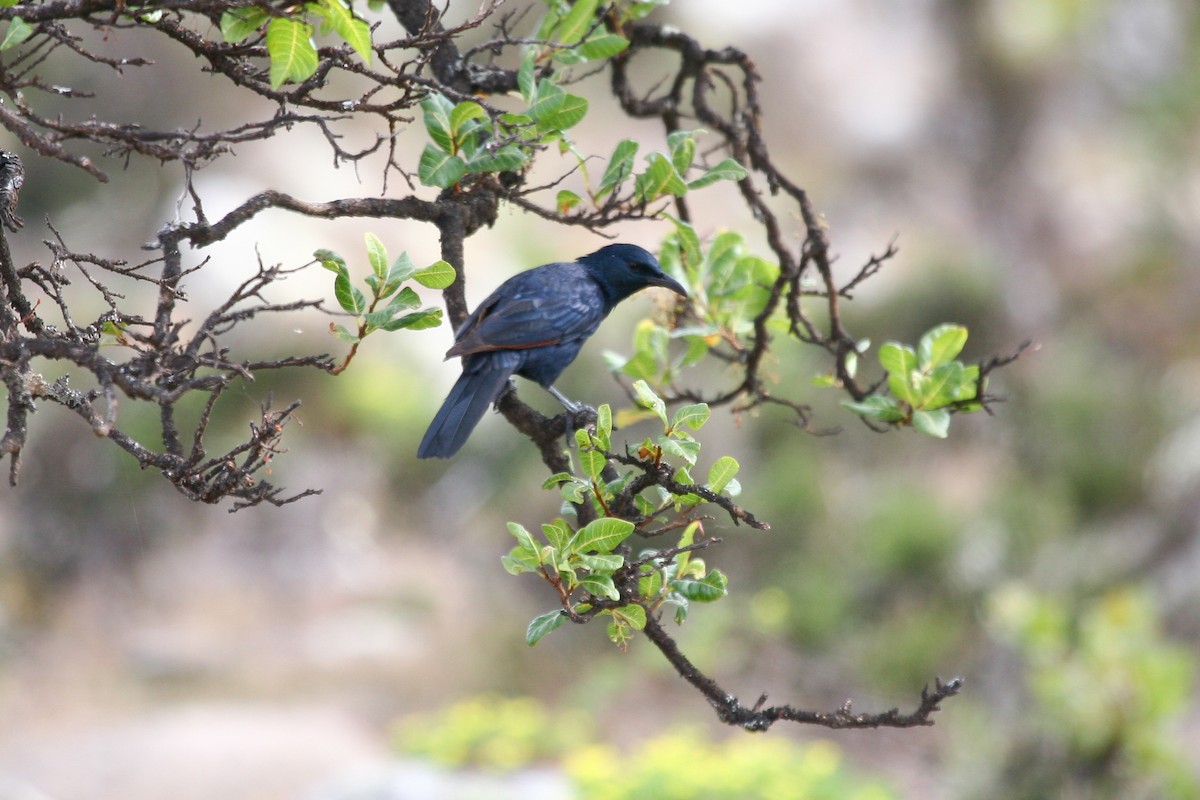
622, 269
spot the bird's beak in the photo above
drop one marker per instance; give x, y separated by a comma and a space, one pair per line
667, 282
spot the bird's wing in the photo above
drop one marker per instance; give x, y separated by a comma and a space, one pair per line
540, 307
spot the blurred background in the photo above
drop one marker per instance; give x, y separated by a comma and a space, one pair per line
1038, 162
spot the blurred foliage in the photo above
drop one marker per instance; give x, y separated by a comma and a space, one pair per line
496, 733
684, 764
492, 732
1108, 688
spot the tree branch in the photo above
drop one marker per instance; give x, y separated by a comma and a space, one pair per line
757, 718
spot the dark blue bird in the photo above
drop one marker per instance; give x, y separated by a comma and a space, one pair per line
533, 325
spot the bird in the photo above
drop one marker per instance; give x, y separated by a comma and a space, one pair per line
534, 325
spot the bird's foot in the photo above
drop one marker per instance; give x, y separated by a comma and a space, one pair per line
579, 415
570, 405
582, 417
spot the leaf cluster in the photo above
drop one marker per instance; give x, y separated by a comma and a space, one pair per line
386, 304
289, 36
589, 560
467, 138
728, 289
925, 384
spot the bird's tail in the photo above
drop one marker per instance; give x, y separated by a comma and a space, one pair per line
474, 391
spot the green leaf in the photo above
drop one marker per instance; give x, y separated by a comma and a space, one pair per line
942, 386
374, 320
722, 472
632, 615
556, 109
578, 20
566, 200
464, 119
526, 81
641, 366
439, 168
330, 260
694, 416
558, 533
940, 345
727, 170
548, 100
523, 536
348, 296
403, 301
602, 563
968, 388
687, 449
661, 178
509, 158
697, 349
601, 46
343, 333
933, 423
552, 569
377, 255
686, 539
600, 586
290, 47
650, 584
620, 166
689, 242
897, 359
18, 31
402, 269
650, 400
884, 409
543, 624
652, 338
520, 560
343, 22
437, 275
437, 109
900, 362
436, 113
619, 633
601, 535
554, 480
722, 258
416, 321
591, 461
852, 363
638, 10
682, 145
573, 492
712, 586
238, 23
604, 424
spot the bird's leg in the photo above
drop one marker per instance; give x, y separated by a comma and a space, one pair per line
577, 414
568, 404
